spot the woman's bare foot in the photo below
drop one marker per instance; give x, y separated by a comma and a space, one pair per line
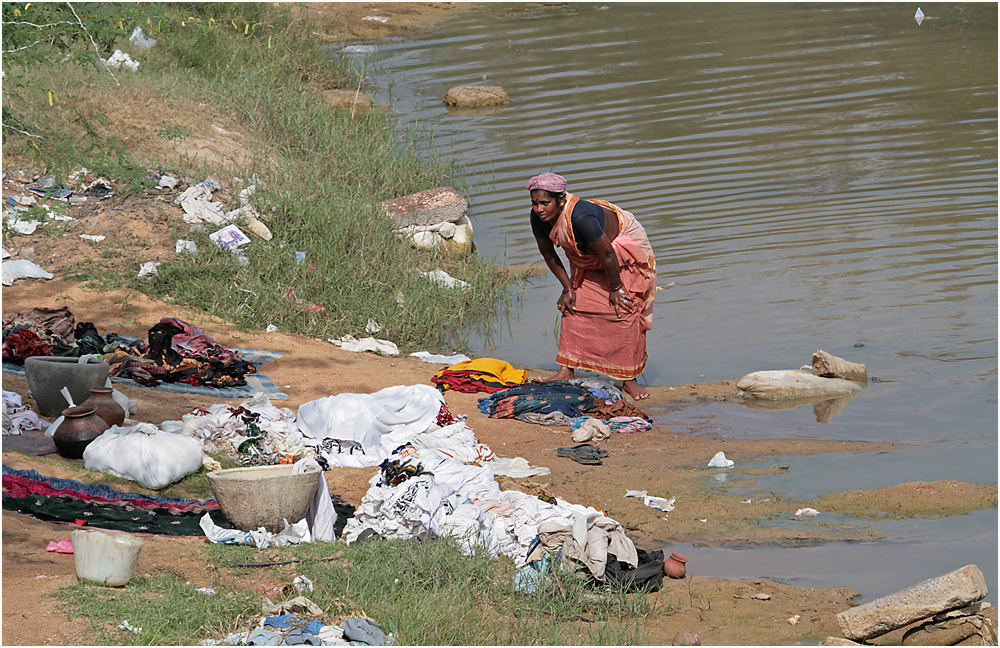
632, 388
564, 373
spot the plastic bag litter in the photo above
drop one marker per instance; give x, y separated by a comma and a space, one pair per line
140, 41
22, 269
121, 60
292, 535
442, 278
720, 461
810, 512
149, 269
145, 454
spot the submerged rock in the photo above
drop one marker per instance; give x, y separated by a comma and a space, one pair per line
476, 96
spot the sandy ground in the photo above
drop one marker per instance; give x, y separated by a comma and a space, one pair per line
663, 461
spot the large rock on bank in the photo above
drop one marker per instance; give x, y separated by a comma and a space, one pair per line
791, 384
947, 592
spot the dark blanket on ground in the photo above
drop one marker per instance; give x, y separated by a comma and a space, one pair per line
67, 500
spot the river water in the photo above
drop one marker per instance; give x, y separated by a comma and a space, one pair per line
811, 176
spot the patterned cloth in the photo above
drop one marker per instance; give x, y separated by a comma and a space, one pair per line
541, 398
96, 505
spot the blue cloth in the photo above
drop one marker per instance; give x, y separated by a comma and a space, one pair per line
283, 621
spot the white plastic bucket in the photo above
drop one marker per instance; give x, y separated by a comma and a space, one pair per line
105, 558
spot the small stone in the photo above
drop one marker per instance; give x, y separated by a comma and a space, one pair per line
685, 638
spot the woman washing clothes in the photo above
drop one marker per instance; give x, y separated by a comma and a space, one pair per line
607, 298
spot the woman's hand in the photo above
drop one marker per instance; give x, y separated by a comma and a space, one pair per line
622, 301
567, 302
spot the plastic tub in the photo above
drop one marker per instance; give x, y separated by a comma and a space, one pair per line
105, 558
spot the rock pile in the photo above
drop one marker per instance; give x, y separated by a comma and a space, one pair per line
948, 606
434, 218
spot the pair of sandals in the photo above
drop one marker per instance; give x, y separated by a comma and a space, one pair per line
585, 453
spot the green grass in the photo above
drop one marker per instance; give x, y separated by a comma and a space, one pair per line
423, 591
324, 175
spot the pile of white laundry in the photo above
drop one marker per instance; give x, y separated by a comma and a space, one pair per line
451, 489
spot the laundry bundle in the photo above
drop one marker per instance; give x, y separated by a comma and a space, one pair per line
479, 375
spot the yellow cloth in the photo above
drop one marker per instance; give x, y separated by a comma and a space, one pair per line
491, 368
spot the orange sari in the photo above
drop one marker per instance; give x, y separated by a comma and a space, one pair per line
595, 337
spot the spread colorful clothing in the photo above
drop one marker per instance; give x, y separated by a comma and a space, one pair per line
596, 337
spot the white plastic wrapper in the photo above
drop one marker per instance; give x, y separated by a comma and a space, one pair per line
145, 454
720, 461
293, 534
23, 269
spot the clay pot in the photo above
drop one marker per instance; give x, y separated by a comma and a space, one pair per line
80, 426
46, 375
105, 406
674, 566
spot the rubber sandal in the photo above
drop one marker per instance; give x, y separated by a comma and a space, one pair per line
585, 454
583, 447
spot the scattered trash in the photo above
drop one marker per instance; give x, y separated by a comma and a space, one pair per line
149, 269
100, 189
167, 181
229, 237
185, 246
120, 60
207, 591
198, 206
125, 625
49, 187
747, 501
794, 620
381, 19
635, 493
810, 512
271, 328
6, 255
293, 534
300, 257
302, 584
659, 503
96, 238
372, 326
919, 16
21, 225
63, 546
720, 461
441, 277
23, 269
755, 597
140, 41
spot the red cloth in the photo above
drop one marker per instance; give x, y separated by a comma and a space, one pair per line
24, 344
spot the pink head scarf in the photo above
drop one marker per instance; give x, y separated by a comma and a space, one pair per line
548, 182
